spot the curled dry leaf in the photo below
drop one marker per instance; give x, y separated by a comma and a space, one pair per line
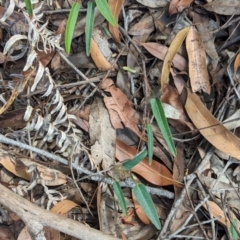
159, 51
19, 167
197, 62
178, 5
63, 207
115, 6
236, 63
156, 173
211, 128
120, 109
100, 51
171, 53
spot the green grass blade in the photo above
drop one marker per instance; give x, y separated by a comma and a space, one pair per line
150, 143
119, 193
147, 204
159, 115
232, 229
104, 9
28, 4
129, 69
136, 160
89, 25
71, 22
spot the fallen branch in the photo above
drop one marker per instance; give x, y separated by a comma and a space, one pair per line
36, 218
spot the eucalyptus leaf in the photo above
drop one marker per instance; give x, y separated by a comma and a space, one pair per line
136, 160
89, 25
147, 204
150, 143
160, 117
104, 9
119, 193
71, 22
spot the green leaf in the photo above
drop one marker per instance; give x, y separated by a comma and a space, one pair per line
136, 160
150, 143
28, 4
71, 22
89, 25
232, 229
147, 204
129, 69
104, 9
159, 115
119, 193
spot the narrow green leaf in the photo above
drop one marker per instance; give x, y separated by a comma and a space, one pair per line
119, 193
28, 4
232, 229
159, 115
71, 22
147, 204
150, 142
104, 9
129, 69
89, 25
133, 162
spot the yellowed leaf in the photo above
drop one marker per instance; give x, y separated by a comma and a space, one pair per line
211, 128
172, 51
197, 62
98, 57
115, 6
63, 207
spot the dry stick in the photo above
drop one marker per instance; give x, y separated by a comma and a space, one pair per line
208, 208
35, 218
93, 176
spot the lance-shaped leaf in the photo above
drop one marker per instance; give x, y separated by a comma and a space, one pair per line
136, 160
29, 7
89, 25
104, 9
197, 62
232, 229
115, 6
218, 135
147, 204
119, 193
172, 51
72, 20
159, 115
150, 142
175, 5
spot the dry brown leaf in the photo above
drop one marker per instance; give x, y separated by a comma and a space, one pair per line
63, 207
236, 63
197, 62
178, 5
172, 51
217, 212
98, 57
211, 128
102, 135
120, 109
156, 173
115, 6
153, 4
223, 7
160, 51
170, 96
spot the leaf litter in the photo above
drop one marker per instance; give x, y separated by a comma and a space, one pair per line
72, 121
